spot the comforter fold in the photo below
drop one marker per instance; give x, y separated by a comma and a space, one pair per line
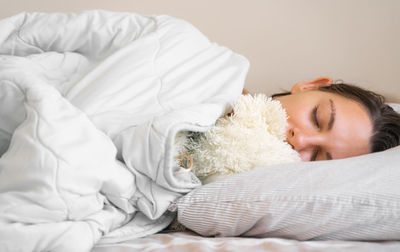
90, 104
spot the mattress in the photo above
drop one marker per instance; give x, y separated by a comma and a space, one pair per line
188, 241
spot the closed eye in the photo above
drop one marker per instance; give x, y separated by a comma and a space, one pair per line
315, 119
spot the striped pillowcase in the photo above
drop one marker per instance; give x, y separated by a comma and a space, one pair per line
350, 199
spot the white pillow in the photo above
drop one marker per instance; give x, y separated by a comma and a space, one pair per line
395, 106
350, 199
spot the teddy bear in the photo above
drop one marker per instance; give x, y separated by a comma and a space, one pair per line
254, 135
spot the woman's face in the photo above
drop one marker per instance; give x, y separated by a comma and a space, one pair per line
324, 125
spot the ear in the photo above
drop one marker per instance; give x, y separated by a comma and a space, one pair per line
311, 85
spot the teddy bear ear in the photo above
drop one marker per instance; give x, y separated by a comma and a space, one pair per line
311, 85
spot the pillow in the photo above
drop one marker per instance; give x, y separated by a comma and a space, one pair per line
356, 198
395, 106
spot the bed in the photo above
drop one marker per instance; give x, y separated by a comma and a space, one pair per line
80, 165
188, 241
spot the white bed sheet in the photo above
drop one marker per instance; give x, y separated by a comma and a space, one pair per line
188, 241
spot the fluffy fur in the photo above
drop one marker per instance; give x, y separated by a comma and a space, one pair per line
254, 136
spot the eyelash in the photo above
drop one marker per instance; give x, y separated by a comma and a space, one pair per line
315, 116
315, 155
315, 119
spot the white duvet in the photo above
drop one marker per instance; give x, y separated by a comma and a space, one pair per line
90, 105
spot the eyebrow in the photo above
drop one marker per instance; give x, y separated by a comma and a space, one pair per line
333, 115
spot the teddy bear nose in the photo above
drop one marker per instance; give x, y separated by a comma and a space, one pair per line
230, 113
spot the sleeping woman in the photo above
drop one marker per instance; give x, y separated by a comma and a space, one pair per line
334, 121
317, 120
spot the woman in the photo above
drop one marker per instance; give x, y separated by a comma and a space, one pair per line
333, 121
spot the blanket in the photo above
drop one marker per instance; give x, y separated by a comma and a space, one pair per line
90, 105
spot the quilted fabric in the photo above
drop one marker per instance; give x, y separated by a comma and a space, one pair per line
90, 105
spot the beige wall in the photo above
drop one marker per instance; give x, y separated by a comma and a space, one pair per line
286, 41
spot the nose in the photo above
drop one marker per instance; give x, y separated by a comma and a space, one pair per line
302, 141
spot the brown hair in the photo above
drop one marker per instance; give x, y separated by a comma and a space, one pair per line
386, 121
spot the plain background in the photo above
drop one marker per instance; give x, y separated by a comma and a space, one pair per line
286, 41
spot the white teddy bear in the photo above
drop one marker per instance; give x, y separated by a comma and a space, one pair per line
254, 136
